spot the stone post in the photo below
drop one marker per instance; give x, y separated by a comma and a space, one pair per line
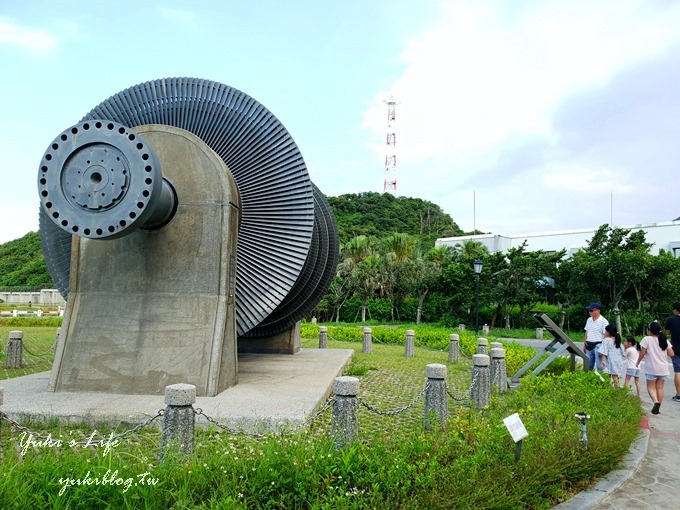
15, 350
454, 353
410, 343
539, 333
436, 397
461, 327
495, 345
346, 402
367, 346
323, 337
179, 418
482, 346
481, 386
498, 372
485, 330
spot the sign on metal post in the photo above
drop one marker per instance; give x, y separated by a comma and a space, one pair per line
518, 432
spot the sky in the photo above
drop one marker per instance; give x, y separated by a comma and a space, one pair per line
513, 117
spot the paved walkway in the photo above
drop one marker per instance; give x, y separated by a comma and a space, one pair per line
656, 482
649, 477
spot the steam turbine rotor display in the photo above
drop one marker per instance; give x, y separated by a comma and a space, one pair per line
100, 179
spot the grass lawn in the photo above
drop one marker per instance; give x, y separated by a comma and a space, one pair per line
469, 463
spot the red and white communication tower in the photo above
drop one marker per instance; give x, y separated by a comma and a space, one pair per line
390, 149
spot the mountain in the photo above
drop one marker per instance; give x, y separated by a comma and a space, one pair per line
381, 214
22, 265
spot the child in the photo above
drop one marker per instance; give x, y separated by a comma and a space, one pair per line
612, 355
632, 348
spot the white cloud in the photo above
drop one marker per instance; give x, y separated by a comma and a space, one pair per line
582, 179
31, 40
486, 77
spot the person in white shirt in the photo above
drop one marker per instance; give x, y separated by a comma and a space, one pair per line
594, 329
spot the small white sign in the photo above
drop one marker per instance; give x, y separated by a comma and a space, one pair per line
515, 426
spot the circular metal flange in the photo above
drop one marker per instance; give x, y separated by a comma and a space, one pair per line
98, 179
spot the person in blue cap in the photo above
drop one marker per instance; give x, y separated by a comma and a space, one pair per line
594, 329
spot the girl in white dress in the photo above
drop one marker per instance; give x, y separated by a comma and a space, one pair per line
632, 372
612, 355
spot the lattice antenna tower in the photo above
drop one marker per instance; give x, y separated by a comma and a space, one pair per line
390, 149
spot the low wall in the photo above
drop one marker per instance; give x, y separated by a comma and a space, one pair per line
45, 297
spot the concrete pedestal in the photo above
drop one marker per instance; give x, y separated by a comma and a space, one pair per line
286, 342
156, 308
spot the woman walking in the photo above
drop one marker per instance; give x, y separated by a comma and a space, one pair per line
654, 347
612, 355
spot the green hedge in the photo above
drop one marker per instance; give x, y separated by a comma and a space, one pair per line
26, 322
429, 336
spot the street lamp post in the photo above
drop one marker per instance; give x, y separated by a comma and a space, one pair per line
478, 269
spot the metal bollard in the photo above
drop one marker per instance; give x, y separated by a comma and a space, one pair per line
436, 401
346, 402
367, 346
481, 387
410, 343
498, 371
179, 420
323, 337
454, 353
15, 350
482, 346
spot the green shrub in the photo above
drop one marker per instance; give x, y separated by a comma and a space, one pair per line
28, 322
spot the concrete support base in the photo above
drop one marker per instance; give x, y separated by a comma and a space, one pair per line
276, 392
157, 307
287, 342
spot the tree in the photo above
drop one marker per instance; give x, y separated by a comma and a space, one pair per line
521, 281
614, 260
366, 279
420, 274
397, 249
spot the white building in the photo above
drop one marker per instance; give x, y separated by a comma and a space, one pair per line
665, 236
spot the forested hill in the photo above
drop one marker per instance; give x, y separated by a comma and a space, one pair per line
381, 214
22, 265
